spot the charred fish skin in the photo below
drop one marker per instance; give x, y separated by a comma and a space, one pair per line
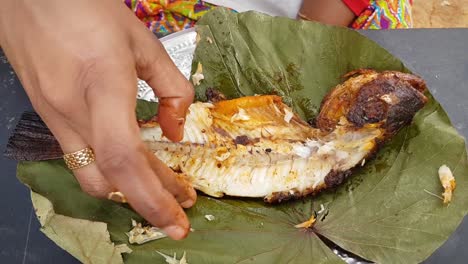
257, 147
213, 95
389, 99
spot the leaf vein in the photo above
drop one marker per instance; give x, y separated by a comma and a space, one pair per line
263, 252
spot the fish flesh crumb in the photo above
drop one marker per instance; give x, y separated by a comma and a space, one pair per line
307, 224
198, 76
173, 260
210, 217
241, 115
288, 115
448, 182
255, 146
142, 234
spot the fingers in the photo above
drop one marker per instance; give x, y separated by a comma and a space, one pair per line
127, 168
174, 183
122, 157
89, 177
175, 93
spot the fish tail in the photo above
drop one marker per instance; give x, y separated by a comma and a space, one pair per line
32, 140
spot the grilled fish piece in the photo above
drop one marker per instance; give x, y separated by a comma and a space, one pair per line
257, 147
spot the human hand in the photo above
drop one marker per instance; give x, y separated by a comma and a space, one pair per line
78, 62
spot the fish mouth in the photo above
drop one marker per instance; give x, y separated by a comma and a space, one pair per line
256, 146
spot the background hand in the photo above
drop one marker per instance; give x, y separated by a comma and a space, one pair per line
333, 12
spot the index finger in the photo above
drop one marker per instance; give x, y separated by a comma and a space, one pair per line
174, 91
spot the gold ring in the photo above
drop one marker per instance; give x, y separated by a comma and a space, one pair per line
117, 197
79, 159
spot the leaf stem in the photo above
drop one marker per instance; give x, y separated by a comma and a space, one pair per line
433, 194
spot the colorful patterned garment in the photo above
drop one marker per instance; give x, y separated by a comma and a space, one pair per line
385, 14
167, 16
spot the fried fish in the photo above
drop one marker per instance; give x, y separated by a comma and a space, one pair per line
256, 146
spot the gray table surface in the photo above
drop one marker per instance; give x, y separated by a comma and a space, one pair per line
440, 56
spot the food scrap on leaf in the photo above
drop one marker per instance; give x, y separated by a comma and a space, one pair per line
210, 217
198, 76
142, 234
307, 224
448, 182
173, 260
